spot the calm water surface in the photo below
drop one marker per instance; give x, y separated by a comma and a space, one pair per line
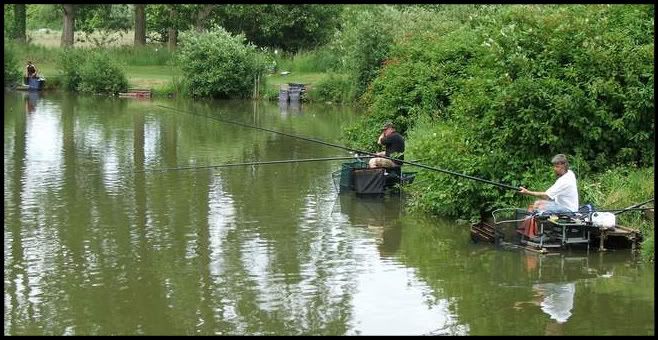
93, 246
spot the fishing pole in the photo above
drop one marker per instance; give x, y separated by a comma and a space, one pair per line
249, 163
619, 211
634, 207
284, 161
353, 150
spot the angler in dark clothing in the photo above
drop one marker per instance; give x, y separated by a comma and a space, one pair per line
394, 148
30, 71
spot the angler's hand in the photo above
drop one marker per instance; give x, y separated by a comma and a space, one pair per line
524, 191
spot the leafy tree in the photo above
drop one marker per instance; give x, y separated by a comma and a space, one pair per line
19, 22
161, 19
288, 27
91, 18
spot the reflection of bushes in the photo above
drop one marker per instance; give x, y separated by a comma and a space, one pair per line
91, 71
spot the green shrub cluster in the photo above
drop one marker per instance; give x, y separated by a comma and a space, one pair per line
13, 72
91, 71
364, 43
334, 88
218, 64
318, 60
498, 94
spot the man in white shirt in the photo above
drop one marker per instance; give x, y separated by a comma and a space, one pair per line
561, 196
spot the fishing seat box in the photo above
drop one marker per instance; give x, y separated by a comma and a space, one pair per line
369, 181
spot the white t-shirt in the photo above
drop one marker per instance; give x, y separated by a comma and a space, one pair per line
565, 192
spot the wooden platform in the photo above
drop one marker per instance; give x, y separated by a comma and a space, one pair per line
482, 231
136, 93
616, 233
559, 235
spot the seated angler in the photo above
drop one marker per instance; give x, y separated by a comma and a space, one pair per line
561, 197
393, 143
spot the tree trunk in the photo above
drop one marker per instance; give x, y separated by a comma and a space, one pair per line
19, 23
172, 30
202, 15
69, 26
140, 25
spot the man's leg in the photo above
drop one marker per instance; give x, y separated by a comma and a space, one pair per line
379, 162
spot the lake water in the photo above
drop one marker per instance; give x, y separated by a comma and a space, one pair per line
93, 245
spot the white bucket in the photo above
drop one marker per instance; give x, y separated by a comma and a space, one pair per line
604, 219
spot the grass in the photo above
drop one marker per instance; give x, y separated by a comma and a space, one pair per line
149, 67
150, 76
52, 38
309, 78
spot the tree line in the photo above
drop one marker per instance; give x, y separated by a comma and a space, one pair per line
287, 27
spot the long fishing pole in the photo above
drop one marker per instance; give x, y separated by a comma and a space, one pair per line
353, 150
249, 163
283, 161
634, 207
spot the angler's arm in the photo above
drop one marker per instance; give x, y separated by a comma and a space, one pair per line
540, 194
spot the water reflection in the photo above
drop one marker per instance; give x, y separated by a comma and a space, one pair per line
93, 247
31, 100
290, 108
378, 215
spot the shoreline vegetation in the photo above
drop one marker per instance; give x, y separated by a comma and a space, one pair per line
463, 83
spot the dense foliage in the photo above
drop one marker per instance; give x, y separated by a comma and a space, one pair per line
218, 64
545, 79
288, 27
91, 71
12, 73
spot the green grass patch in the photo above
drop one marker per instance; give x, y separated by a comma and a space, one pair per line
310, 78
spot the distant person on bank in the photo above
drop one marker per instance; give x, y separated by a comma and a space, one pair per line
30, 71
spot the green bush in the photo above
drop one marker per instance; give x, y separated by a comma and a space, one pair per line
319, 60
364, 43
516, 85
13, 72
70, 63
270, 93
621, 187
91, 71
99, 74
218, 64
334, 88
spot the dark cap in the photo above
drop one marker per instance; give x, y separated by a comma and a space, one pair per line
387, 125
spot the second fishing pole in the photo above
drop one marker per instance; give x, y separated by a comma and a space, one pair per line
505, 186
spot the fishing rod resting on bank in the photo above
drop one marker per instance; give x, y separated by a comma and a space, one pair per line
351, 149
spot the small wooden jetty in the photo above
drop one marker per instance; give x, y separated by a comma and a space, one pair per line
553, 233
136, 93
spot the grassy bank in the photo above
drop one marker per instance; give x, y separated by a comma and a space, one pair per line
622, 187
151, 67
